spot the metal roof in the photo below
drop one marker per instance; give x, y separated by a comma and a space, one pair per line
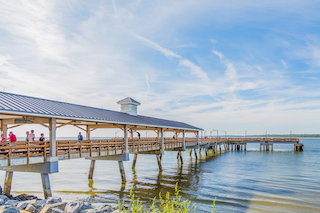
128, 100
26, 105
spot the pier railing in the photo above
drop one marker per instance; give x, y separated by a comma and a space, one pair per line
78, 149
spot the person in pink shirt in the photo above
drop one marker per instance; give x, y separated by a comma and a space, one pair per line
3, 139
13, 138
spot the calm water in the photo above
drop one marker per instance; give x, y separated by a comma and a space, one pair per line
252, 181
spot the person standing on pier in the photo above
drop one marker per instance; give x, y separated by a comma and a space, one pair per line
27, 138
138, 135
31, 137
3, 139
13, 138
42, 139
80, 137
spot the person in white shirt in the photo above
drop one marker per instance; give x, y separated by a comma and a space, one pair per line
31, 136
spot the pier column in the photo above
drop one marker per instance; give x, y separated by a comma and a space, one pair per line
126, 142
195, 154
53, 143
184, 140
159, 162
46, 185
88, 133
181, 159
122, 172
197, 137
134, 161
91, 169
162, 141
7, 183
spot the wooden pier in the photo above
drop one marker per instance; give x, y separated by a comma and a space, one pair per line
43, 157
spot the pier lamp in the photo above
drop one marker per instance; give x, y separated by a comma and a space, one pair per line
245, 134
217, 132
225, 132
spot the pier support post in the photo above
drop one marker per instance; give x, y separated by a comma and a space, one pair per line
159, 162
181, 160
191, 153
122, 172
7, 184
53, 143
195, 154
184, 140
46, 185
134, 161
91, 169
162, 141
220, 148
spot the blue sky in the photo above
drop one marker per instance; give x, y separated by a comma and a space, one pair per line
228, 65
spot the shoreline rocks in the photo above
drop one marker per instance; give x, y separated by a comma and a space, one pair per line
31, 204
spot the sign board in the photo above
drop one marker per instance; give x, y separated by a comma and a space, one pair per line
23, 121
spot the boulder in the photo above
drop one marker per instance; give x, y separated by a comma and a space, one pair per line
31, 208
55, 210
24, 197
12, 203
48, 208
11, 210
85, 207
52, 200
104, 209
3, 199
73, 207
23, 204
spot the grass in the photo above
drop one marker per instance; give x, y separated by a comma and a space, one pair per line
166, 204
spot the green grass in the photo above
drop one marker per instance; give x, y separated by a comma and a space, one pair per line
166, 204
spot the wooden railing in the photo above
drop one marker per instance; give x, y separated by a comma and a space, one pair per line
22, 149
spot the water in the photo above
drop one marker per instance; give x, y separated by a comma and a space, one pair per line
252, 181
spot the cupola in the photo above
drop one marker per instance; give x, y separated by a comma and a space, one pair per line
129, 105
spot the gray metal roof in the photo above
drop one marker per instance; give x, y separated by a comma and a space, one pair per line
128, 100
26, 105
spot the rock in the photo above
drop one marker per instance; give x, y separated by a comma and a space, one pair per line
24, 197
48, 208
0, 190
31, 208
52, 200
22, 205
12, 203
3, 199
104, 209
85, 207
116, 211
11, 210
55, 210
73, 207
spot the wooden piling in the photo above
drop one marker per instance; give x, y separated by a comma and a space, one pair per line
195, 154
181, 160
159, 162
134, 161
46, 185
90, 176
7, 183
122, 172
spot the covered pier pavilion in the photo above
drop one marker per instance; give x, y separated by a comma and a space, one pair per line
43, 157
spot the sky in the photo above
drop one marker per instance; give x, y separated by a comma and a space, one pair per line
227, 65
